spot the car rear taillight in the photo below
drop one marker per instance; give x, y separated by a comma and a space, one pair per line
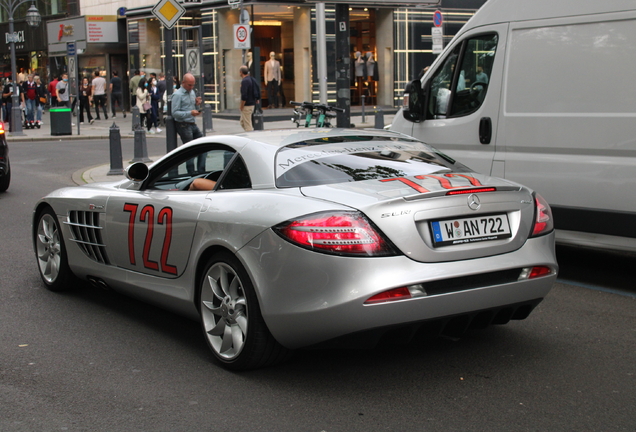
543, 221
340, 233
535, 272
1, 128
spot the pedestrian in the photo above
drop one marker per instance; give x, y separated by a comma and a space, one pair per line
62, 91
28, 99
134, 83
250, 94
53, 91
99, 95
185, 109
116, 95
7, 94
155, 97
85, 98
41, 99
143, 102
161, 86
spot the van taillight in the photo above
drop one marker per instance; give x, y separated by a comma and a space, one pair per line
339, 233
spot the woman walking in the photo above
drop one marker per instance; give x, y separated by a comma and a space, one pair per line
85, 97
143, 102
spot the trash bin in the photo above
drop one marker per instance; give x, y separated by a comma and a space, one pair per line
61, 121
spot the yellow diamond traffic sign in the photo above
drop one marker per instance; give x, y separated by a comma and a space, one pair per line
168, 12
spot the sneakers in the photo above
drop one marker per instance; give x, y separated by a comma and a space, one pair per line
114, 116
159, 130
81, 122
151, 132
91, 121
38, 124
124, 115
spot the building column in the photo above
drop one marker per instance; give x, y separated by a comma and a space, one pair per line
384, 36
302, 54
231, 60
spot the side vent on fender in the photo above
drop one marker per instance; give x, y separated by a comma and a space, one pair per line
87, 233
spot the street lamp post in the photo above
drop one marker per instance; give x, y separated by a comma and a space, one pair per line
33, 19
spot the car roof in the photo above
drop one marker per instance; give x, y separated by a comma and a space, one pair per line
283, 137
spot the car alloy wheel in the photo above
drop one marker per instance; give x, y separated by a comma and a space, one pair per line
231, 317
50, 253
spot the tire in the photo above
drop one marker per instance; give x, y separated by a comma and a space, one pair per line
50, 252
5, 180
232, 323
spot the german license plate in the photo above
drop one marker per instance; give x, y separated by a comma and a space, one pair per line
449, 232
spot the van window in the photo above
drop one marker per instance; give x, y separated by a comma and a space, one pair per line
464, 87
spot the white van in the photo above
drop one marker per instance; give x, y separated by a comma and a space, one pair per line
542, 92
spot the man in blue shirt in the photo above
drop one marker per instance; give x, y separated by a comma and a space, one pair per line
185, 105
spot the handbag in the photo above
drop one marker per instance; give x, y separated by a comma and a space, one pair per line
146, 106
42, 99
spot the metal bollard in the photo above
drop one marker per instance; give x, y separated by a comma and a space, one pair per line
363, 117
379, 119
136, 120
116, 159
257, 117
141, 148
207, 119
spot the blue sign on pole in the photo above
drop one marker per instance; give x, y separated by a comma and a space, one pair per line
437, 18
70, 49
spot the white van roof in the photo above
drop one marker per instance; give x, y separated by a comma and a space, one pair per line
498, 11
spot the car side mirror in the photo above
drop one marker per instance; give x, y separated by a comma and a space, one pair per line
137, 172
413, 102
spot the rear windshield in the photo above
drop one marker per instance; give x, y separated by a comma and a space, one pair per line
315, 163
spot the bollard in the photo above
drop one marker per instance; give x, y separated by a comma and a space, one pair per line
257, 117
379, 119
116, 161
363, 117
207, 119
136, 120
141, 148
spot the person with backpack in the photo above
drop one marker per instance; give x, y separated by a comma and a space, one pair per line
250, 95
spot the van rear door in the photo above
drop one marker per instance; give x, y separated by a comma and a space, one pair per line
462, 98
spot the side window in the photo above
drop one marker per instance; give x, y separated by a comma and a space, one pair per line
206, 164
237, 176
460, 90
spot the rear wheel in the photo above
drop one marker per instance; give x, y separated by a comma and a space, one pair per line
231, 318
51, 253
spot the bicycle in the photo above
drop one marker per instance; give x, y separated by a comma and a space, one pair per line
308, 110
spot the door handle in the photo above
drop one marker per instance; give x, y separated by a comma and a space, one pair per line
485, 130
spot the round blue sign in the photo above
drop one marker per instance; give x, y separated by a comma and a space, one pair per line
437, 18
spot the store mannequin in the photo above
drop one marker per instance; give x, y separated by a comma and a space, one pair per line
371, 66
360, 65
249, 62
272, 79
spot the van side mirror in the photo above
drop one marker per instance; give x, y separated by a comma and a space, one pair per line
413, 102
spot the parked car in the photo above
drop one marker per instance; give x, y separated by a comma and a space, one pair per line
5, 166
308, 238
511, 96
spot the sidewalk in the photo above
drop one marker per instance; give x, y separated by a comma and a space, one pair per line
223, 124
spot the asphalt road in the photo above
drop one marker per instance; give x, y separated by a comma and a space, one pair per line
91, 360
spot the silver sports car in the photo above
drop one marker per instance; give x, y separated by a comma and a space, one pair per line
306, 238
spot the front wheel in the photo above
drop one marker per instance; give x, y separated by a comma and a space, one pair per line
5, 180
231, 318
51, 253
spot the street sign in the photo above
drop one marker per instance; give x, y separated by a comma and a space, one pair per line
242, 36
437, 35
72, 66
168, 12
192, 61
438, 18
70, 49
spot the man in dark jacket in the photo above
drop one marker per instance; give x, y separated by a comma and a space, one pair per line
249, 97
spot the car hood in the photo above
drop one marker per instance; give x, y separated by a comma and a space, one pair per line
405, 208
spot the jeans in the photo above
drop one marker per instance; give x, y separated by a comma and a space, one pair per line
30, 109
100, 100
189, 132
119, 99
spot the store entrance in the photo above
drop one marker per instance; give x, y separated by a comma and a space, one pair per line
364, 71
273, 32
